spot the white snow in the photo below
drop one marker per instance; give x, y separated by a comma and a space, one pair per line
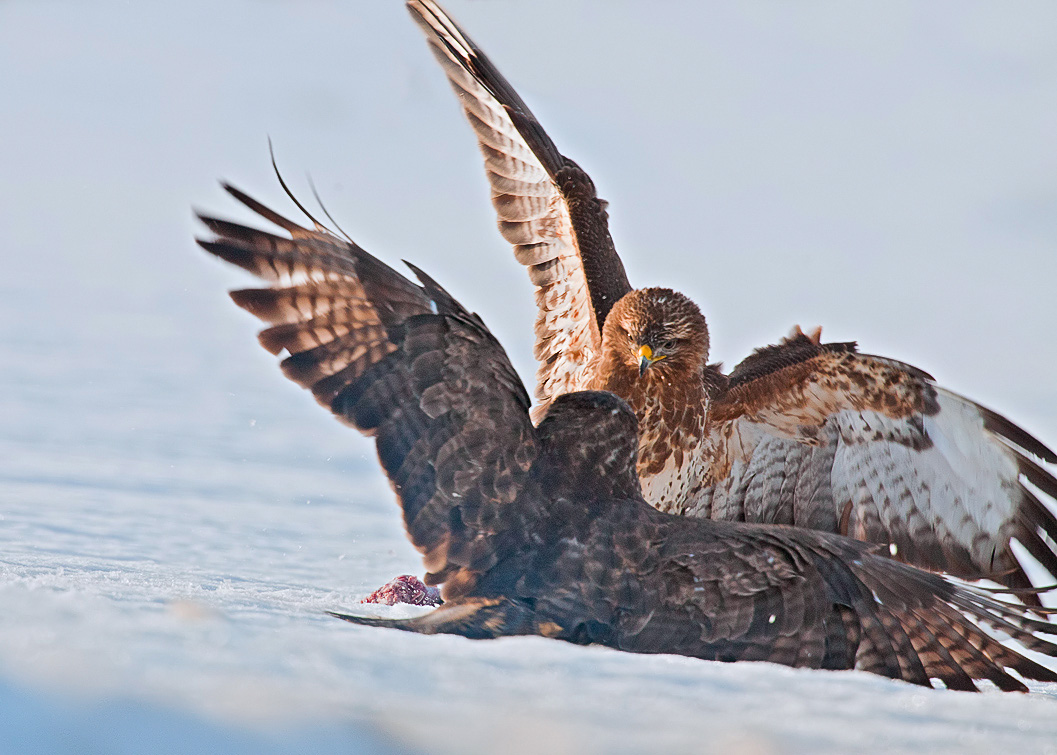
175, 516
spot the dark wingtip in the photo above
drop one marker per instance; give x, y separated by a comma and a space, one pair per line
440, 297
209, 221
1016, 434
263, 210
234, 191
213, 247
342, 616
424, 277
370, 621
255, 301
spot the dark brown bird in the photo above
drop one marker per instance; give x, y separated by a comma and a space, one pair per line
803, 433
544, 530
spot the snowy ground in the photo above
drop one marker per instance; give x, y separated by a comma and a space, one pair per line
175, 517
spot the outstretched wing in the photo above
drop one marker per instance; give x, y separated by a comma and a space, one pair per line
405, 364
638, 580
547, 208
807, 599
823, 437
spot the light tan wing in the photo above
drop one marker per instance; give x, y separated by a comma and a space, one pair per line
821, 436
547, 208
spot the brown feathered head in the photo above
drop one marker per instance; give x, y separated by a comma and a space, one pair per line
591, 438
655, 333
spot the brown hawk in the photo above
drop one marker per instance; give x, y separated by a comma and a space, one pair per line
542, 529
802, 433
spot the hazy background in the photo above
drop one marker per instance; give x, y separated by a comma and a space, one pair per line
885, 169
888, 170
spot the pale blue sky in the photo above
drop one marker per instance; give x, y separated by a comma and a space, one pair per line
886, 169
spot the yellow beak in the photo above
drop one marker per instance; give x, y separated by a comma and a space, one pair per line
646, 358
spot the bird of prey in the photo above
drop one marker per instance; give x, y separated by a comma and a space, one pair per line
542, 529
804, 433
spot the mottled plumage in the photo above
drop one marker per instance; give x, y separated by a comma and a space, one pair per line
543, 529
804, 433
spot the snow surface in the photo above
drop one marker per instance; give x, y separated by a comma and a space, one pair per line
175, 516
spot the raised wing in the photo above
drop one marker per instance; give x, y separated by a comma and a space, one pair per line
407, 365
823, 437
547, 208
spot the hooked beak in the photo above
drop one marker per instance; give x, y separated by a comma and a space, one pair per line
646, 358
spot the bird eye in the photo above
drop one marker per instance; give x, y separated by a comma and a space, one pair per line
668, 345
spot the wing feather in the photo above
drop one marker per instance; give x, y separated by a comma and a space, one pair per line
406, 364
804, 598
821, 436
546, 206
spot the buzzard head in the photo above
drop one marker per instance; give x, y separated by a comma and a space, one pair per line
654, 334
591, 444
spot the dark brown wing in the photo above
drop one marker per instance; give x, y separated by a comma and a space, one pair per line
806, 599
821, 436
547, 208
734, 592
641, 581
407, 365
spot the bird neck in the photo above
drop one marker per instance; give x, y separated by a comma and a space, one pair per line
671, 407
